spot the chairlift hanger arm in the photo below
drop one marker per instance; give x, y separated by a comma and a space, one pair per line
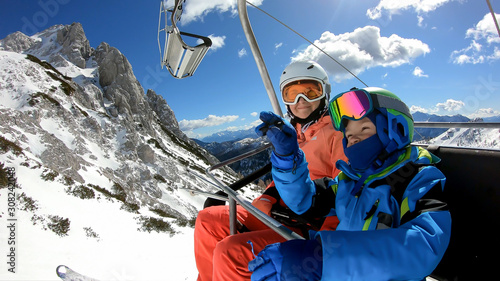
259, 60
233, 196
181, 59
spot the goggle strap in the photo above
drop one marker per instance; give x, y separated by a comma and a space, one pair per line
392, 103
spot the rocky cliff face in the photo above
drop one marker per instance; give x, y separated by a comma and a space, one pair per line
81, 113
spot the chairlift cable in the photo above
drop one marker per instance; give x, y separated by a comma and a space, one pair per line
309, 41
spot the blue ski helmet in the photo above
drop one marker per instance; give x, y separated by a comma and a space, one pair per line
390, 115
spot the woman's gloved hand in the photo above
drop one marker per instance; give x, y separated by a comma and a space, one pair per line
280, 132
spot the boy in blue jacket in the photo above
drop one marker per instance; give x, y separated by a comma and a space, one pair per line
394, 224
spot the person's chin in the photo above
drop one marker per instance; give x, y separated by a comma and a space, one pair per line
303, 113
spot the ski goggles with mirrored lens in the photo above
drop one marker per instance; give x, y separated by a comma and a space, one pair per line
310, 90
353, 105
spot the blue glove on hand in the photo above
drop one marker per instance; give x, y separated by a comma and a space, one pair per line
290, 260
280, 132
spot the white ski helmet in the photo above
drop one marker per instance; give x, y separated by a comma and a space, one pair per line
305, 70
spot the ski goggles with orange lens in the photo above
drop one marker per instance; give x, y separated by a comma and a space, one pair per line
353, 105
310, 90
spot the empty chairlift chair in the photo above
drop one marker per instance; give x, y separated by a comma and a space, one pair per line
180, 58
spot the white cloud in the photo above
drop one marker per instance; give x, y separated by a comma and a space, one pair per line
419, 72
254, 114
485, 29
196, 10
482, 34
242, 52
421, 21
211, 120
255, 123
495, 55
471, 54
454, 107
244, 127
392, 7
448, 106
277, 46
416, 108
451, 105
484, 112
362, 49
217, 41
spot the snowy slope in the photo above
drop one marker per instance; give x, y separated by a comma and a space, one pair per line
84, 159
118, 252
463, 137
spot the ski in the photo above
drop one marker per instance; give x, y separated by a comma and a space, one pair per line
67, 274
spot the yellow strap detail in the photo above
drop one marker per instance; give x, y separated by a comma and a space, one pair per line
342, 176
335, 188
404, 207
367, 223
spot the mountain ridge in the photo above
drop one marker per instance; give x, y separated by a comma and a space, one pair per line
80, 113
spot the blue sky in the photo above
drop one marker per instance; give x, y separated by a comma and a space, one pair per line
439, 56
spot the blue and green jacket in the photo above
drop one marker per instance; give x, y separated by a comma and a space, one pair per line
393, 226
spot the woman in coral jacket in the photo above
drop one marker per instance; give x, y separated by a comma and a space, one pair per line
394, 222
305, 91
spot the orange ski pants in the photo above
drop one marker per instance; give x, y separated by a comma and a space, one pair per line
221, 256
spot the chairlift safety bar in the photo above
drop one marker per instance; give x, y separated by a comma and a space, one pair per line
487, 125
234, 198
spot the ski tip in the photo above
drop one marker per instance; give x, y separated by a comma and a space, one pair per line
61, 271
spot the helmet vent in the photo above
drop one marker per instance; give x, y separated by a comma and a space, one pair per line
401, 129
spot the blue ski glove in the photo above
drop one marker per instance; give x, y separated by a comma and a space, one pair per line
282, 136
280, 132
290, 260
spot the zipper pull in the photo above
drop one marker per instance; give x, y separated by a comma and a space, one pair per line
372, 210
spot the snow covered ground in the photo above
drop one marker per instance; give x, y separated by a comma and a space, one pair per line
117, 251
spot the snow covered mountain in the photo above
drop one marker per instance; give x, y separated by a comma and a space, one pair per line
476, 137
229, 149
224, 136
429, 133
463, 137
100, 168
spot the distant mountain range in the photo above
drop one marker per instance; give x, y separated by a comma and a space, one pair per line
230, 136
422, 133
227, 144
429, 133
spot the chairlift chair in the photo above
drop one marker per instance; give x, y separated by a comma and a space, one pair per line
181, 59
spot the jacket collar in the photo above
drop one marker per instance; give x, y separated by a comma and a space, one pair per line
410, 153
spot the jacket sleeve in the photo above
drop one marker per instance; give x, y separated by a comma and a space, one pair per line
313, 199
295, 185
410, 251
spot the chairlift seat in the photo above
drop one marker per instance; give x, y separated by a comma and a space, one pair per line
473, 196
177, 56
